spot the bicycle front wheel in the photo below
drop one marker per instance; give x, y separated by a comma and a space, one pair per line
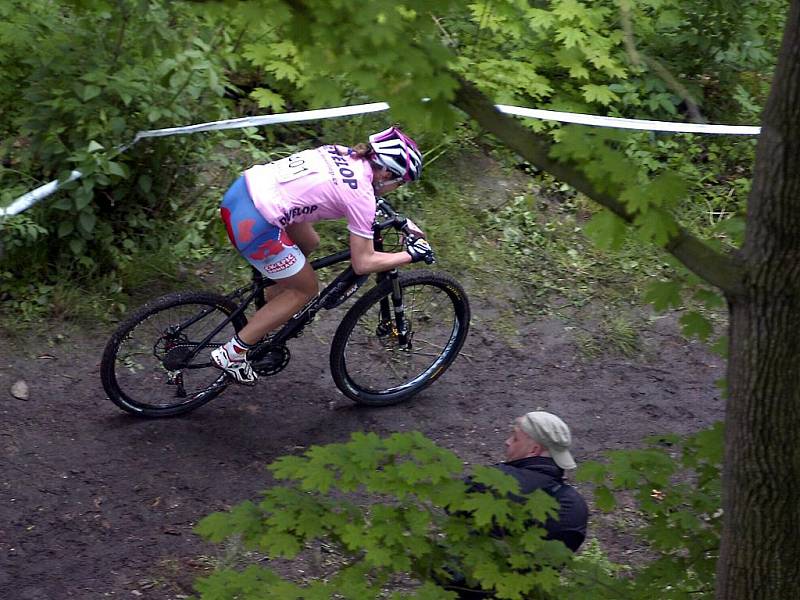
369, 363
154, 366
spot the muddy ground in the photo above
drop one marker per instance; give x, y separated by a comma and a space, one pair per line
95, 503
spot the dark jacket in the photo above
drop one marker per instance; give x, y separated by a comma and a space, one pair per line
542, 473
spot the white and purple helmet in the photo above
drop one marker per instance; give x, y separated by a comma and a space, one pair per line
398, 153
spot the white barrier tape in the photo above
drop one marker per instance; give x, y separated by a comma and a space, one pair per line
26, 201
307, 115
620, 123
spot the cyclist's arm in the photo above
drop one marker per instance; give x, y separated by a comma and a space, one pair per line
366, 260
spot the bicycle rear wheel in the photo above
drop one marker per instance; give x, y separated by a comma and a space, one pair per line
153, 366
368, 363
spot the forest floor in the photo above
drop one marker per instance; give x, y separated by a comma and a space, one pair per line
95, 503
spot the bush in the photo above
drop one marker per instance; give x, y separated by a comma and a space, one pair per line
391, 506
397, 507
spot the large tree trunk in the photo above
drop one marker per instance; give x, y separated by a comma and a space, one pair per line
760, 553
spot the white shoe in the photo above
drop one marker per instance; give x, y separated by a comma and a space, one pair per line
240, 370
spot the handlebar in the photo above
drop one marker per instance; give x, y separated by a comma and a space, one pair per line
400, 223
395, 219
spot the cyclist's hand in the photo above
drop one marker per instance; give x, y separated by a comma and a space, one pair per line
420, 249
414, 228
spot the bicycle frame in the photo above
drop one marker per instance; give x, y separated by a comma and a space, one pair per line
345, 284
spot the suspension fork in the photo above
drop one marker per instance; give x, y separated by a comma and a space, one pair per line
400, 321
399, 310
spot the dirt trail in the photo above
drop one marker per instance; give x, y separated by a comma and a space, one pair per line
95, 503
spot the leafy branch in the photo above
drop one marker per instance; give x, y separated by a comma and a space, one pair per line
716, 268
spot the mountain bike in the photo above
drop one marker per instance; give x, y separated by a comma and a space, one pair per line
393, 342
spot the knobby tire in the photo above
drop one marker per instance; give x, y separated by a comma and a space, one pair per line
367, 363
133, 369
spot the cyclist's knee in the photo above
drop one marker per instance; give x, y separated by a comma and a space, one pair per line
311, 289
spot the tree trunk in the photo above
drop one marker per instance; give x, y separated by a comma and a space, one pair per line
760, 551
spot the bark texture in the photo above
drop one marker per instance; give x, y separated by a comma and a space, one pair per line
760, 553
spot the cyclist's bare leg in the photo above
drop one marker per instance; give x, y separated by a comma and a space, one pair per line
307, 239
304, 235
290, 296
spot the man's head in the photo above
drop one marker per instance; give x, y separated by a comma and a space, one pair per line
540, 433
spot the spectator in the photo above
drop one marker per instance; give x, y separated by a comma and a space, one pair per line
537, 453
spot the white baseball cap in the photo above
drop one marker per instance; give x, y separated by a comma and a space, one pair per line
553, 433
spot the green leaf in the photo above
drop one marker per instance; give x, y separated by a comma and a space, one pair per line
82, 198
663, 295
117, 169
65, 228
94, 146
709, 443
77, 245
720, 347
598, 93
733, 227
90, 91
591, 471
710, 298
282, 70
606, 229
570, 36
656, 226
539, 19
495, 479
695, 324
573, 60
268, 99
145, 183
485, 508
541, 505
87, 220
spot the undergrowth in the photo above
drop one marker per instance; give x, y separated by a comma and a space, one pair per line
514, 236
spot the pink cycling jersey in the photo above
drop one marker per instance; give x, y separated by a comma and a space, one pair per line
323, 183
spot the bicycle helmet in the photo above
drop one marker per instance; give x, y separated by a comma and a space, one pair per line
398, 153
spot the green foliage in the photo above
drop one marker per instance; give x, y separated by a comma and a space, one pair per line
570, 55
90, 76
322, 52
617, 333
677, 487
658, 190
391, 506
548, 238
82, 80
396, 506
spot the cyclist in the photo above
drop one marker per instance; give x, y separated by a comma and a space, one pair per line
269, 211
